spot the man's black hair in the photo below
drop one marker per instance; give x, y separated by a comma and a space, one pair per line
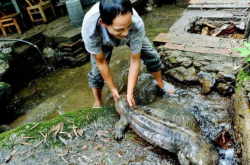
109, 9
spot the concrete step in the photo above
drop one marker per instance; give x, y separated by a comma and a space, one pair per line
197, 43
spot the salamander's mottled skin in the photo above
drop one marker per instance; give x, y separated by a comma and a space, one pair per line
188, 145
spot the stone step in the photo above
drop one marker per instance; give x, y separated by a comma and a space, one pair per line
219, 1
197, 43
197, 40
199, 49
219, 4
163, 38
70, 47
226, 6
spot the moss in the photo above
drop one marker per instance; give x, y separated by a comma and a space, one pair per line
152, 32
242, 75
4, 57
172, 60
4, 87
80, 118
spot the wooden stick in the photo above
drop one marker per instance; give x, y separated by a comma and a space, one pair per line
34, 126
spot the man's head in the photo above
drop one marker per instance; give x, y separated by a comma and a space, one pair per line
116, 16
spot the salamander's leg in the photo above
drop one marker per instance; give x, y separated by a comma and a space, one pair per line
120, 127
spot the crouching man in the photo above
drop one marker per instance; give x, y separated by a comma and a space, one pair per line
112, 23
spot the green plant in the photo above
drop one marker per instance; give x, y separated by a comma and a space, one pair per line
242, 75
244, 52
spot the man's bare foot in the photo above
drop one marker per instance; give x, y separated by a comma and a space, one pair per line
166, 87
97, 105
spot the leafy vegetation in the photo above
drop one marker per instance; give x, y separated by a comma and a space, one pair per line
4, 57
242, 75
244, 52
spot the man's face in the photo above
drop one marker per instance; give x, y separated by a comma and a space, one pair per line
120, 26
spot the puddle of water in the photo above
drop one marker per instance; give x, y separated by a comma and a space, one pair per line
60, 92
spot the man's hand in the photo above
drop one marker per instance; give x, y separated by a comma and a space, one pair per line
131, 100
115, 94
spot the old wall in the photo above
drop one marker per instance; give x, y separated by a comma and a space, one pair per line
242, 122
212, 71
216, 73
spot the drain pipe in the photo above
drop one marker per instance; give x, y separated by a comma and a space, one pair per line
20, 40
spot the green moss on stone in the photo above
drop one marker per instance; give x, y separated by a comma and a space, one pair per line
172, 60
80, 119
4, 57
242, 75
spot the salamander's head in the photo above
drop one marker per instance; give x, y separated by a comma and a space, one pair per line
121, 105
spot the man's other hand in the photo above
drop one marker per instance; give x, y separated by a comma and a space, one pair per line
131, 100
115, 94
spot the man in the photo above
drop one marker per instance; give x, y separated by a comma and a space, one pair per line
113, 23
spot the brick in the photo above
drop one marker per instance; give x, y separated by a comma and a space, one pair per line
162, 35
163, 38
173, 46
213, 1
218, 51
223, 6
206, 43
185, 39
224, 44
207, 38
195, 49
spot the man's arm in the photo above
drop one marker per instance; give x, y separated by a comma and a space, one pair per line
104, 69
134, 70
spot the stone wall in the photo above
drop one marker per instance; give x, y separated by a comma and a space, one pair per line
212, 71
241, 115
220, 73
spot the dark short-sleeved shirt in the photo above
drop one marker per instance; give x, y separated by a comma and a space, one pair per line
95, 35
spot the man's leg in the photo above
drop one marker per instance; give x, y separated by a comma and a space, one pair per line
97, 92
152, 61
96, 81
